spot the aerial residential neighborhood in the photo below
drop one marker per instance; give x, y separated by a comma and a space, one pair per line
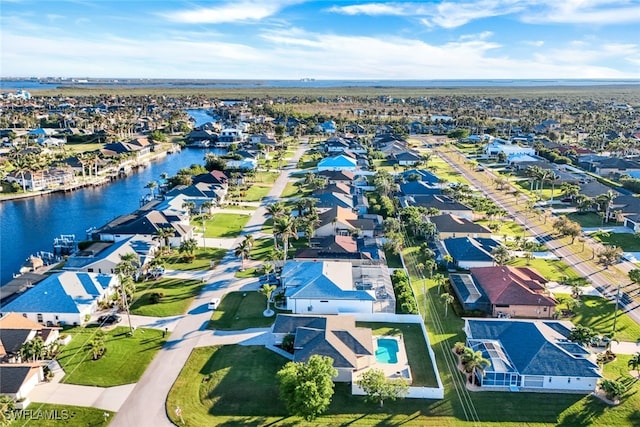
474, 262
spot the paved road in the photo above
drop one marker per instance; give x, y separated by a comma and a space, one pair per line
603, 280
146, 404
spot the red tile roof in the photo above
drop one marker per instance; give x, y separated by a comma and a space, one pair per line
512, 285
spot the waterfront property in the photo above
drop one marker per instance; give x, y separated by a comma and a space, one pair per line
63, 298
528, 355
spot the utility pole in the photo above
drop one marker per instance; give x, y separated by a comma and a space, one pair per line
615, 313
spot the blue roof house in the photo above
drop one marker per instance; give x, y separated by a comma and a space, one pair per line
338, 163
469, 252
324, 287
64, 298
531, 355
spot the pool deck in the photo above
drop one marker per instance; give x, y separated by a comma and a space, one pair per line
400, 369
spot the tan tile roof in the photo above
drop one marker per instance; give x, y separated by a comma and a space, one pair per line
17, 321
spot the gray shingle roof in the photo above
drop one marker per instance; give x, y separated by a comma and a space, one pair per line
533, 347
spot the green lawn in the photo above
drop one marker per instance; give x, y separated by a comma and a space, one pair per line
241, 310
248, 273
293, 190
590, 219
225, 225
422, 369
235, 381
255, 193
261, 249
629, 242
552, 270
123, 363
264, 177
66, 415
204, 258
445, 172
508, 228
178, 295
598, 313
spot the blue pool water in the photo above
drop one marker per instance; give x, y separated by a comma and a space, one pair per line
387, 351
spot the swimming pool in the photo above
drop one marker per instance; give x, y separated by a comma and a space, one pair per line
387, 351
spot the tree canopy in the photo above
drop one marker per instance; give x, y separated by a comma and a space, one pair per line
380, 388
307, 388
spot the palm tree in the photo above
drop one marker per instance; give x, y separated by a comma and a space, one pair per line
604, 203
187, 248
267, 290
501, 255
276, 210
634, 363
165, 233
447, 298
476, 363
440, 280
243, 250
267, 269
97, 345
286, 227
152, 187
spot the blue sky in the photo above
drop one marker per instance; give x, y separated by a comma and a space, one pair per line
328, 39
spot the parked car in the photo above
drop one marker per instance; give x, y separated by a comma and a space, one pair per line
213, 304
109, 319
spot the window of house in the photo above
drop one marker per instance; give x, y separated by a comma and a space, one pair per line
324, 301
39, 317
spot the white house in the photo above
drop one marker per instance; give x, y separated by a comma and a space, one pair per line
324, 287
18, 380
495, 147
531, 355
64, 298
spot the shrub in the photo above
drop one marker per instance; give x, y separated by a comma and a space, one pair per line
156, 297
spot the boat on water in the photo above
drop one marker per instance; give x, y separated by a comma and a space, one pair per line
200, 144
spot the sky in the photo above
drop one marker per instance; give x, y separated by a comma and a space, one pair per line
327, 39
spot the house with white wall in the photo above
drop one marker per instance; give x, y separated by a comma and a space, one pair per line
531, 355
63, 298
324, 287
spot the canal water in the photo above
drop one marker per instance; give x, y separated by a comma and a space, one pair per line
30, 225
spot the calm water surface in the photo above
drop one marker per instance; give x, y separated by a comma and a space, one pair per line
30, 225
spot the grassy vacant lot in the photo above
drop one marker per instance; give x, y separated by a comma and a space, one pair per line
225, 225
293, 190
627, 241
263, 177
256, 192
241, 310
422, 369
67, 415
552, 270
202, 261
507, 228
261, 249
445, 172
123, 363
178, 295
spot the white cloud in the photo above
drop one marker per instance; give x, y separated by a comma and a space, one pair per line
596, 12
373, 9
242, 11
292, 53
453, 14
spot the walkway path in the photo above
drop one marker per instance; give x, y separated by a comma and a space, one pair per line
145, 406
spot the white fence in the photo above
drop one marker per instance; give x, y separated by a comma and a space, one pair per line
414, 392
